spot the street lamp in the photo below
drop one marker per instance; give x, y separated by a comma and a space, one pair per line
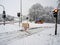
4, 13
3, 7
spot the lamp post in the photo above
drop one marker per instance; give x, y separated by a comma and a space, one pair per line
21, 9
4, 13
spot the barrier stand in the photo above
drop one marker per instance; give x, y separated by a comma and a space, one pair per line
25, 26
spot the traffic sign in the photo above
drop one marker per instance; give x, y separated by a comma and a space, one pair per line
18, 14
55, 13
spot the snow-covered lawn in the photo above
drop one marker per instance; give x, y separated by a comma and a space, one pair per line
15, 26
9, 28
45, 37
37, 34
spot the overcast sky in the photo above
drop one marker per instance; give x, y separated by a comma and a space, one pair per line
13, 6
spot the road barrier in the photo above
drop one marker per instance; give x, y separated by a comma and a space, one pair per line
25, 26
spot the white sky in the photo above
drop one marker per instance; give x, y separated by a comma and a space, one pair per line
13, 6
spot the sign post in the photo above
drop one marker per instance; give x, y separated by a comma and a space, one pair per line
18, 14
4, 16
55, 13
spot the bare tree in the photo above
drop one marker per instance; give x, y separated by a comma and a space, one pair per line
36, 11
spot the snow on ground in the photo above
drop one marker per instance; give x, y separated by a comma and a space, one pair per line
9, 28
32, 24
44, 35
15, 27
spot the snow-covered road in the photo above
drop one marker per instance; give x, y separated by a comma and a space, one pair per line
9, 36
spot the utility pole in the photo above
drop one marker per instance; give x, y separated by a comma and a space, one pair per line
21, 9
